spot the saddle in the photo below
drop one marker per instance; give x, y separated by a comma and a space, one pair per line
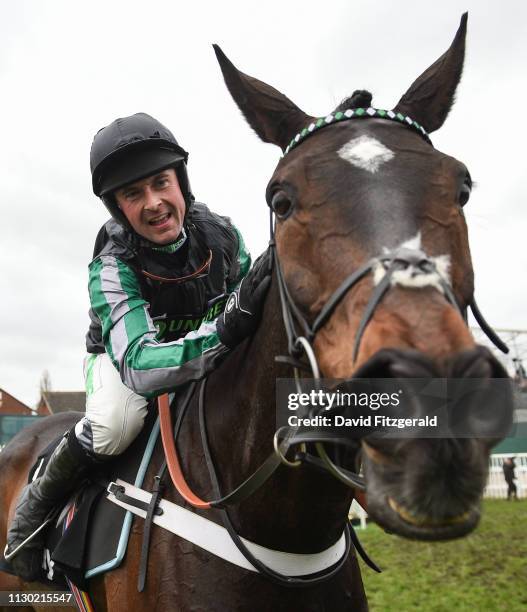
89, 534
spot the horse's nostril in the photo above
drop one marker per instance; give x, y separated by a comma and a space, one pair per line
401, 264
481, 413
426, 266
476, 363
480, 368
484, 396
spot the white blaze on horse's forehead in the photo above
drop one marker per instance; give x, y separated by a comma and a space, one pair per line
365, 152
410, 277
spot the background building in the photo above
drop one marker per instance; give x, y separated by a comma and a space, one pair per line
53, 402
14, 416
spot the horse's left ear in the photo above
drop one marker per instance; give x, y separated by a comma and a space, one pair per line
430, 97
271, 114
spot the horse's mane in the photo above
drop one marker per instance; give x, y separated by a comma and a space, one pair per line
360, 98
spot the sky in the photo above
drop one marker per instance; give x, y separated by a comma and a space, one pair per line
69, 68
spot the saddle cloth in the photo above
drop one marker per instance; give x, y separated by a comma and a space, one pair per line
90, 534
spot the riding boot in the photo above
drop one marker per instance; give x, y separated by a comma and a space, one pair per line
68, 462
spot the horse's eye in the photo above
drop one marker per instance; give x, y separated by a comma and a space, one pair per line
281, 205
464, 193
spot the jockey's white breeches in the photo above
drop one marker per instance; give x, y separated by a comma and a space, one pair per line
114, 413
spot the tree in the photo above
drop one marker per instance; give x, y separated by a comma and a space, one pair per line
45, 382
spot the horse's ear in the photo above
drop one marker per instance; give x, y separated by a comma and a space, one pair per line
271, 114
430, 97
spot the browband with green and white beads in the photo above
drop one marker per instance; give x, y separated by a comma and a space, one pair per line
356, 113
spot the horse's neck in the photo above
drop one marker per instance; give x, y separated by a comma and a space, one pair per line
296, 508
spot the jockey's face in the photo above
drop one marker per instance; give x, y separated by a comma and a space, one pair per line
154, 206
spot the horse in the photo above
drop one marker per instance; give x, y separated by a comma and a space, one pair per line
372, 261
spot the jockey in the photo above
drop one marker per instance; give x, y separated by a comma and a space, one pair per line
163, 268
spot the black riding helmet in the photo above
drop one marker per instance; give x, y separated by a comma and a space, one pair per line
130, 149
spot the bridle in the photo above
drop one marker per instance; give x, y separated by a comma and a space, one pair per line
301, 334
300, 338
398, 259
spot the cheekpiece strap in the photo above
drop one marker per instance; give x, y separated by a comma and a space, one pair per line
357, 113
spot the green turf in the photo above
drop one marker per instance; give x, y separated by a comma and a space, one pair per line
486, 570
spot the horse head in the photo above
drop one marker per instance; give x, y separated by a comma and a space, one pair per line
373, 194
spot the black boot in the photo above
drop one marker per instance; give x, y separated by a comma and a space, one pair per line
66, 465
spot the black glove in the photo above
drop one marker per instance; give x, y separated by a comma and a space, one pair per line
244, 307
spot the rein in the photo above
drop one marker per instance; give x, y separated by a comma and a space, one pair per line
249, 486
169, 438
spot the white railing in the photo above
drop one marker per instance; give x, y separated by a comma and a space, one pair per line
496, 486
358, 512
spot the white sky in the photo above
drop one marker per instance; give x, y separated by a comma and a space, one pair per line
69, 68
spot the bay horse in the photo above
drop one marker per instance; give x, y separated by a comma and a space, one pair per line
361, 190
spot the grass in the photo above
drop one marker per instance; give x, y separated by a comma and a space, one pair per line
484, 571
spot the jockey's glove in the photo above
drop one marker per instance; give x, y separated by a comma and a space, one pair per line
243, 310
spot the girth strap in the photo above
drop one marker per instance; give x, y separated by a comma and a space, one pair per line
151, 511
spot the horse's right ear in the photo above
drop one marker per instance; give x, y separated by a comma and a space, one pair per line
271, 114
430, 97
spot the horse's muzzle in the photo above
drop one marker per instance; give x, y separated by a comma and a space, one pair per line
430, 488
